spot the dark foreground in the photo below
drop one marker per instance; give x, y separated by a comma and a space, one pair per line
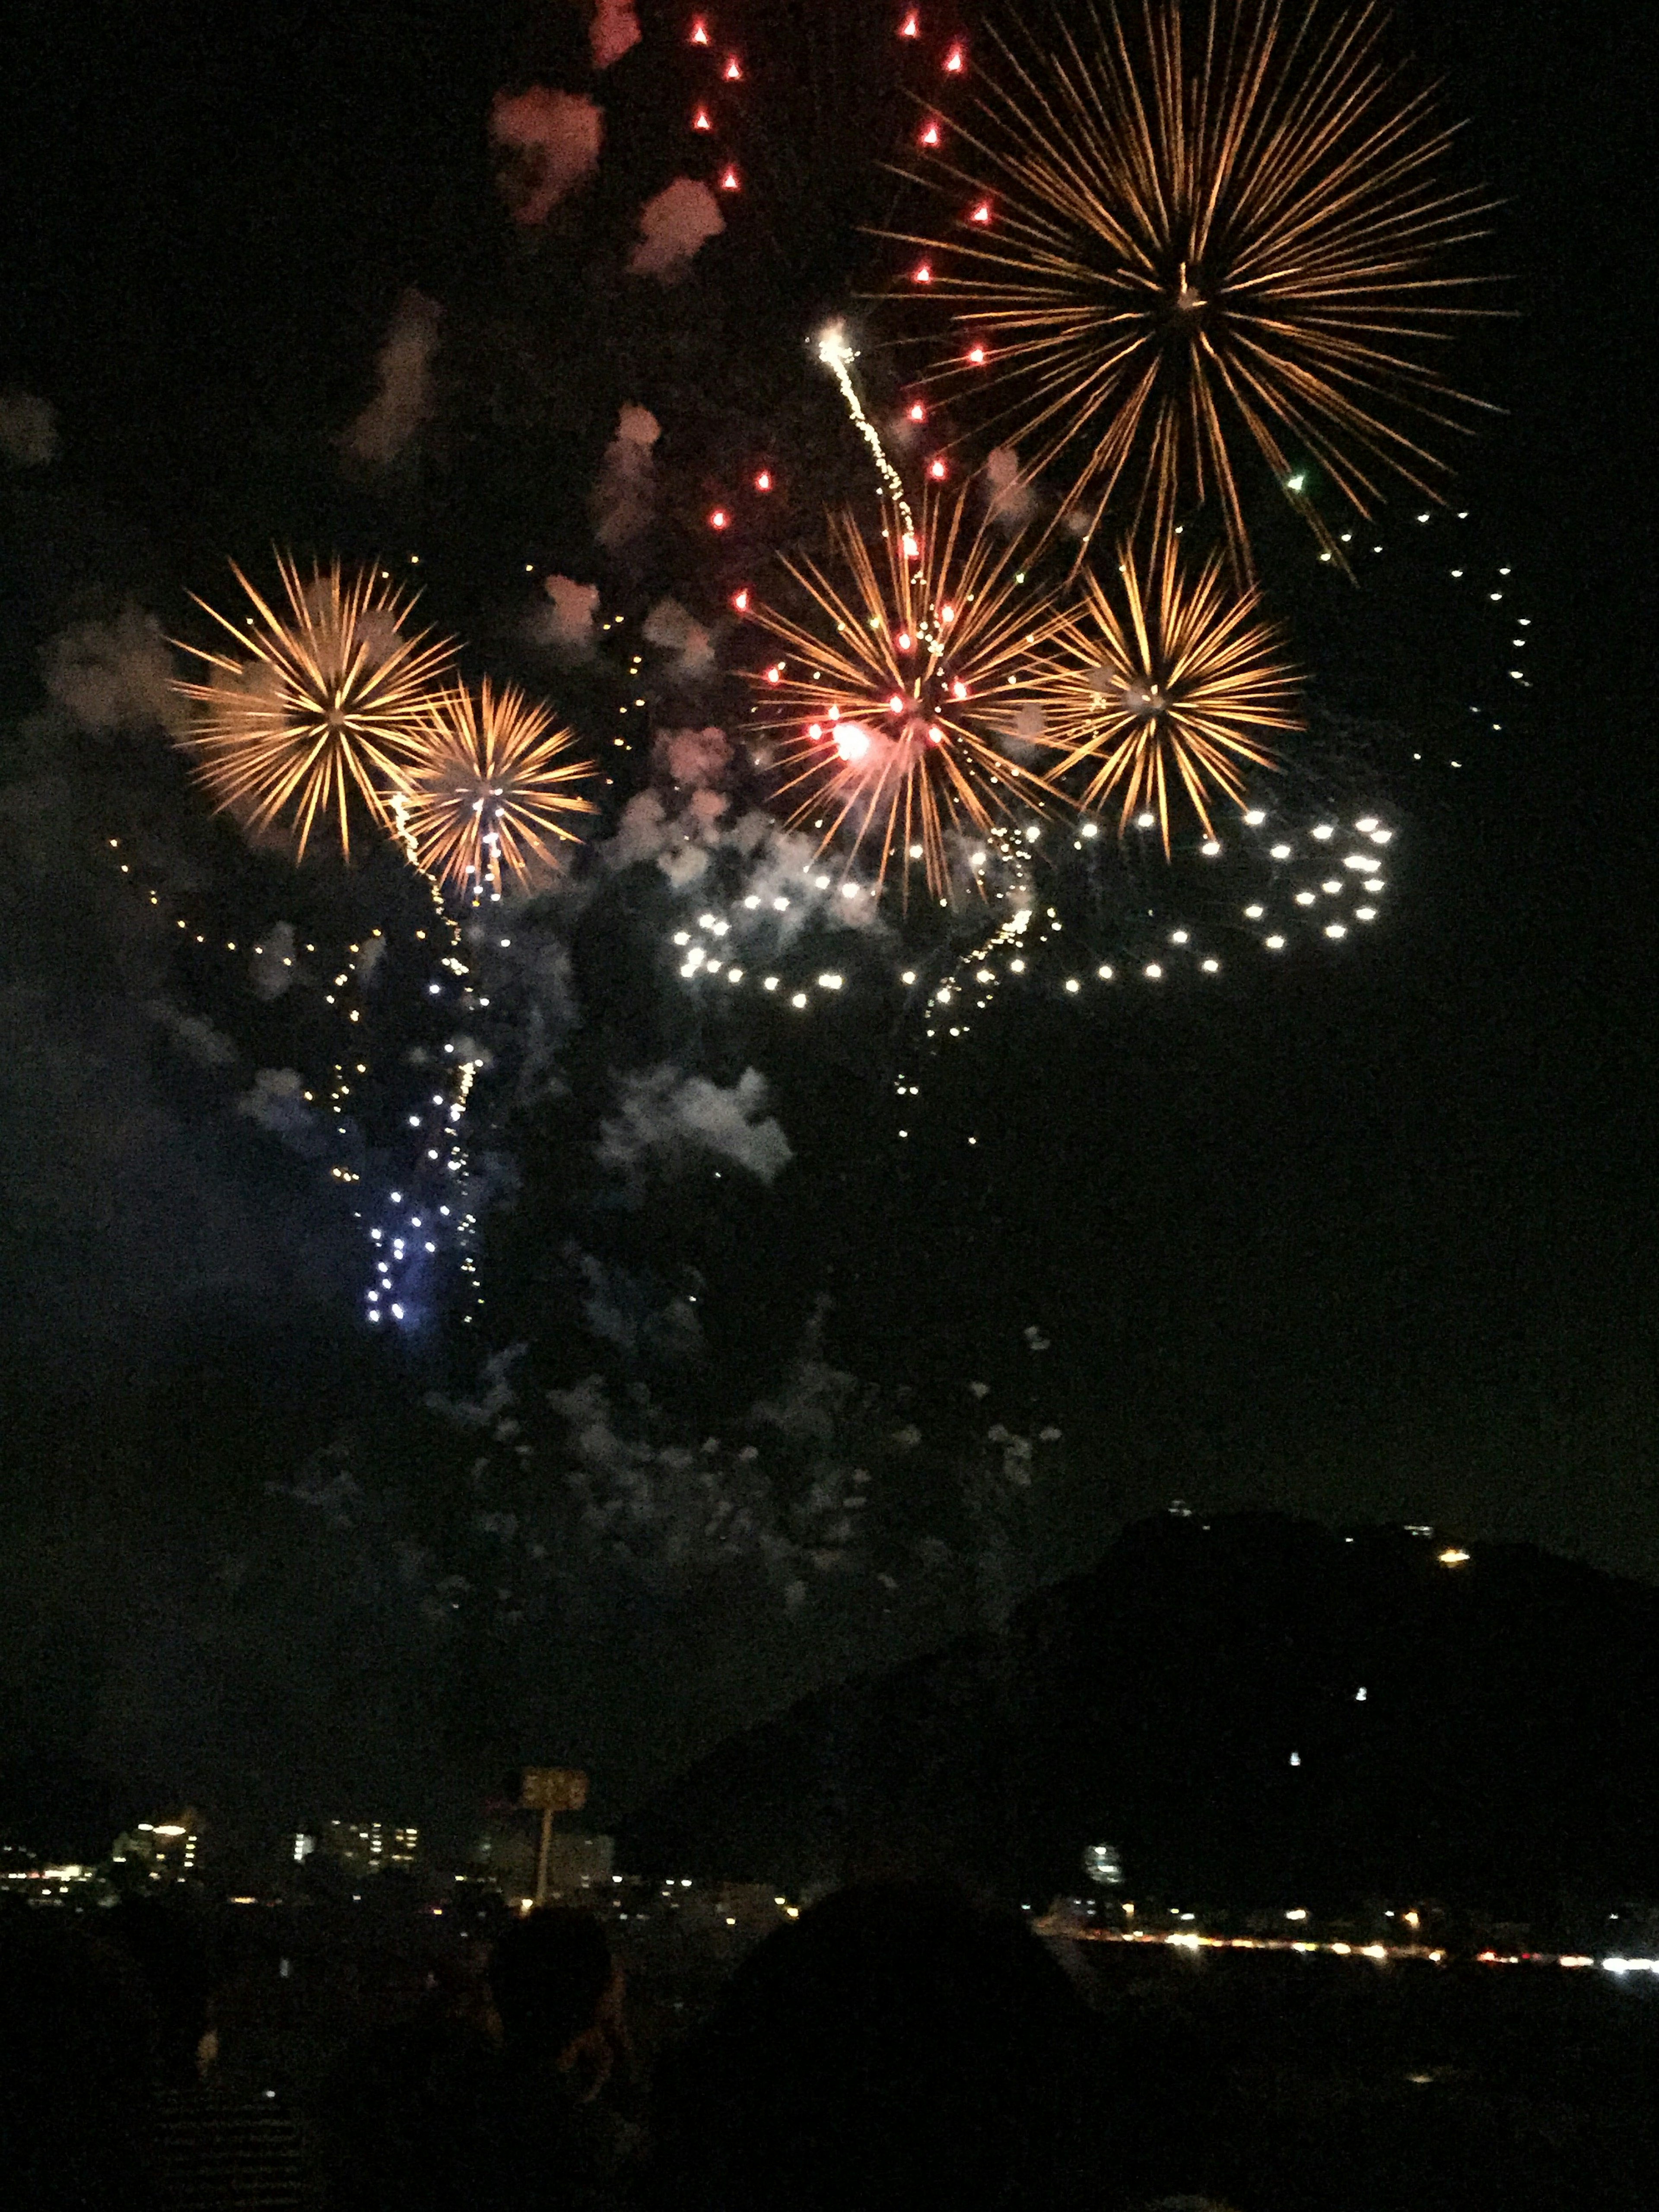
1264, 2083
1327, 2085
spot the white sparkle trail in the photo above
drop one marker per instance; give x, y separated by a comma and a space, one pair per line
837, 353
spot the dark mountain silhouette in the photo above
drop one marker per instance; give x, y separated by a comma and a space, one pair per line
1504, 1755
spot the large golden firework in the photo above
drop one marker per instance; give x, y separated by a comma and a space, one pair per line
1172, 241
1163, 688
902, 694
486, 796
318, 704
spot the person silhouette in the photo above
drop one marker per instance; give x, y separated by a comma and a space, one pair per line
896, 2046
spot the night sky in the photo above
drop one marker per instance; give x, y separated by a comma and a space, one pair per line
1367, 1236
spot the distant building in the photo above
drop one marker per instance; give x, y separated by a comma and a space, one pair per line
163, 1850
25, 1879
748, 1909
577, 1861
363, 1846
1103, 1865
17, 1864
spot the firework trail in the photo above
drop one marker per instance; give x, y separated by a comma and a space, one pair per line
798, 109
837, 354
1283, 877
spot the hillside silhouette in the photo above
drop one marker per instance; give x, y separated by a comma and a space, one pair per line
1254, 1710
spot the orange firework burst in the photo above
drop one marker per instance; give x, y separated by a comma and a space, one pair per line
317, 705
1172, 242
486, 795
902, 687
1169, 692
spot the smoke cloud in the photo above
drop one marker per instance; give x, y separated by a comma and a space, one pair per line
28, 429
403, 397
273, 962
1026, 730
1009, 495
614, 31
278, 1103
677, 1119
564, 625
115, 676
769, 882
620, 1310
194, 1035
682, 217
694, 757
680, 840
551, 140
671, 627
624, 497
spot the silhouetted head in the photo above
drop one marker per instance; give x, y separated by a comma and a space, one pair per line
548, 1977
898, 2046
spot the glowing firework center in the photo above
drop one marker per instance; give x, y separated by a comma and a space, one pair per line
1166, 689
901, 690
887, 735
1128, 695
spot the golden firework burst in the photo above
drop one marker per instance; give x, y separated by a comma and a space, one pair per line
1165, 687
317, 706
902, 694
1174, 242
486, 797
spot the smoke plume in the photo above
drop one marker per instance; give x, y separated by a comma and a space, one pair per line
614, 31
672, 226
551, 140
278, 1103
669, 626
28, 429
403, 397
695, 758
564, 625
115, 676
624, 497
677, 1120
1008, 495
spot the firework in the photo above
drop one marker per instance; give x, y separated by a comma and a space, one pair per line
317, 706
1165, 687
486, 797
1172, 245
904, 690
